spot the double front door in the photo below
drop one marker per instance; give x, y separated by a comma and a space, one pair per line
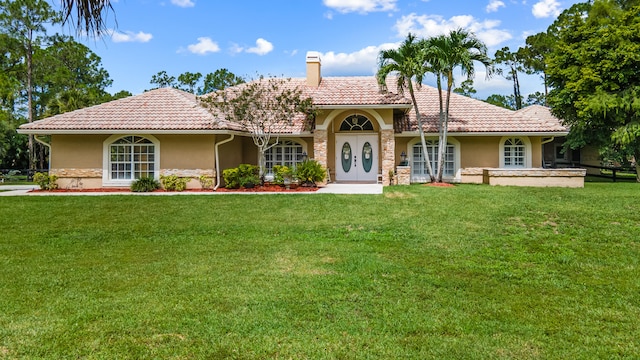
356, 157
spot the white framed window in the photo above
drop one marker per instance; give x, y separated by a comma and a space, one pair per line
419, 172
515, 152
287, 153
128, 158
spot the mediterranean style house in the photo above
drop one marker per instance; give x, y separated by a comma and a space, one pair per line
361, 134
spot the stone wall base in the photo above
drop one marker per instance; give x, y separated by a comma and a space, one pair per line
403, 175
573, 178
92, 178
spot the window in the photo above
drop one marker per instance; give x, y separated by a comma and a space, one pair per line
287, 153
132, 157
514, 153
356, 123
419, 172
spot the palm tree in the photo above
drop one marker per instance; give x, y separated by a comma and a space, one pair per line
407, 62
444, 53
90, 14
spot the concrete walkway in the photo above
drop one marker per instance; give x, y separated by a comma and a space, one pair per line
22, 190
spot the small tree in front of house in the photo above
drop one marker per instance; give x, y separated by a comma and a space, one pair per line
264, 108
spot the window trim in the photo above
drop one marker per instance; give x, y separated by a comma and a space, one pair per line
527, 152
106, 159
299, 141
456, 158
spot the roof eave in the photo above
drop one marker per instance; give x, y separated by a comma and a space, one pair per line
126, 131
365, 106
499, 133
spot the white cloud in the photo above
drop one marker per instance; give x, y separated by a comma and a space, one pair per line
434, 25
494, 5
262, 47
183, 3
205, 45
130, 36
361, 6
546, 8
361, 62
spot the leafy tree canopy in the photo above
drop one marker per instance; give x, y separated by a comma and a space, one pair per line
593, 70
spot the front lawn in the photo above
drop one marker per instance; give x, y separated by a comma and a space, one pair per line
470, 272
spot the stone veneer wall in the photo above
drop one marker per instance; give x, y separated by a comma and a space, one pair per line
535, 177
78, 178
320, 140
388, 142
92, 178
403, 175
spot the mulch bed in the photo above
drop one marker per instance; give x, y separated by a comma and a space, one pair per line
436, 184
265, 188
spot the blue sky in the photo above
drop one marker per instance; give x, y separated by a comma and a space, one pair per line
272, 37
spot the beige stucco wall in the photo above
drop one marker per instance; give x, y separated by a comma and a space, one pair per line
77, 151
479, 151
77, 160
187, 151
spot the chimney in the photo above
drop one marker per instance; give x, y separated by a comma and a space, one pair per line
313, 69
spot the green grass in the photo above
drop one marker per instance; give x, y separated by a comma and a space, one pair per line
471, 272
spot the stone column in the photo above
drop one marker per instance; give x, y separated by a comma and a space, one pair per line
320, 139
403, 173
388, 145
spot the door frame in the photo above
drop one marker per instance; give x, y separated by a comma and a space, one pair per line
359, 139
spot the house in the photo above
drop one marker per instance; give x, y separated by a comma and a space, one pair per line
361, 135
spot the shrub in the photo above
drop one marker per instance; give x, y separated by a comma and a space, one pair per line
206, 182
249, 175
280, 172
245, 175
145, 184
231, 178
174, 182
309, 172
45, 181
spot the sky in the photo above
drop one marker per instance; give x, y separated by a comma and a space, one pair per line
272, 37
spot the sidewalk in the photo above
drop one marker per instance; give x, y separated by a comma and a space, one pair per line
24, 190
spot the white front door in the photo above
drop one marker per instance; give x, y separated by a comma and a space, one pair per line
356, 157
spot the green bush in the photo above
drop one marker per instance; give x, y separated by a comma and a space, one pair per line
174, 182
231, 178
206, 182
145, 184
309, 172
245, 175
45, 181
280, 172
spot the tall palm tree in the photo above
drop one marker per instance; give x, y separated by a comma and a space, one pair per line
90, 14
444, 53
408, 63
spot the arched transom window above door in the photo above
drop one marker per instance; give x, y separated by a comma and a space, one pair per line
356, 122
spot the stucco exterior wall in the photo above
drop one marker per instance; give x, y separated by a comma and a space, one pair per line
476, 151
77, 151
77, 160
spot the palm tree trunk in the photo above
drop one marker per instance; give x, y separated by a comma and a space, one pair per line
421, 132
442, 141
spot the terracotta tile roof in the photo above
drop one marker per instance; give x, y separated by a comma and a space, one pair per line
169, 109
159, 110
350, 90
470, 115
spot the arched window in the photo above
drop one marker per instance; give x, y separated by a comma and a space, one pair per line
287, 153
356, 123
514, 153
419, 172
131, 158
